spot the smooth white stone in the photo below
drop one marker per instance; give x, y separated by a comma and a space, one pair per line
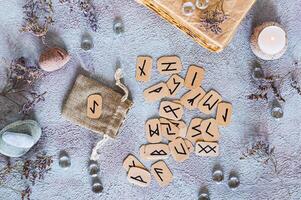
20, 140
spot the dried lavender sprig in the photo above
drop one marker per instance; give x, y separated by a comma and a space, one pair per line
88, 9
38, 17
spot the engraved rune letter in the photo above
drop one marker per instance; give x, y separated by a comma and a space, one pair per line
153, 132
197, 130
138, 178
225, 116
191, 101
142, 73
158, 153
183, 150
158, 172
169, 109
95, 104
208, 105
207, 147
208, 129
157, 90
177, 85
168, 66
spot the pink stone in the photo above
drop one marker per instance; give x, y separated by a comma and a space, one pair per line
53, 59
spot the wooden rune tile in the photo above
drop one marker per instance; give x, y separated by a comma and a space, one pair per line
210, 130
207, 149
161, 173
191, 99
142, 152
144, 68
168, 65
178, 101
224, 113
189, 145
131, 161
171, 110
179, 150
94, 106
156, 92
156, 151
174, 84
209, 102
153, 131
194, 77
169, 130
138, 176
181, 126
194, 132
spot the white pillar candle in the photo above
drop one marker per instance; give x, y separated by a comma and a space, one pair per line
272, 40
269, 41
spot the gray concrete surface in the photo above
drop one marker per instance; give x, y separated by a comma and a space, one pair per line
147, 34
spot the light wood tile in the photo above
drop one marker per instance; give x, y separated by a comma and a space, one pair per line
207, 149
94, 106
174, 85
189, 145
153, 131
162, 173
171, 110
179, 150
181, 125
169, 130
194, 77
191, 99
210, 130
156, 92
209, 102
138, 176
194, 132
131, 161
144, 68
224, 113
156, 151
168, 65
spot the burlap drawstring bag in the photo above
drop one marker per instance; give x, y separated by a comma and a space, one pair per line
114, 108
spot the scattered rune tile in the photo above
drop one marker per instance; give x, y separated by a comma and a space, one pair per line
194, 132
169, 130
168, 65
189, 145
191, 99
153, 130
144, 68
156, 92
194, 77
207, 149
161, 173
94, 106
224, 113
171, 110
131, 161
138, 176
174, 85
156, 151
209, 102
142, 152
178, 101
210, 130
181, 125
179, 150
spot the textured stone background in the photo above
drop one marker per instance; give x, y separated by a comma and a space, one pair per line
147, 34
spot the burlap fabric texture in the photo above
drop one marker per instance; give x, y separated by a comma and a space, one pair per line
113, 109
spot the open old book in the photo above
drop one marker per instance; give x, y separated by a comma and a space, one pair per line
213, 27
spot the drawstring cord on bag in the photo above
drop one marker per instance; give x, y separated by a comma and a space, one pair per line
118, 76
